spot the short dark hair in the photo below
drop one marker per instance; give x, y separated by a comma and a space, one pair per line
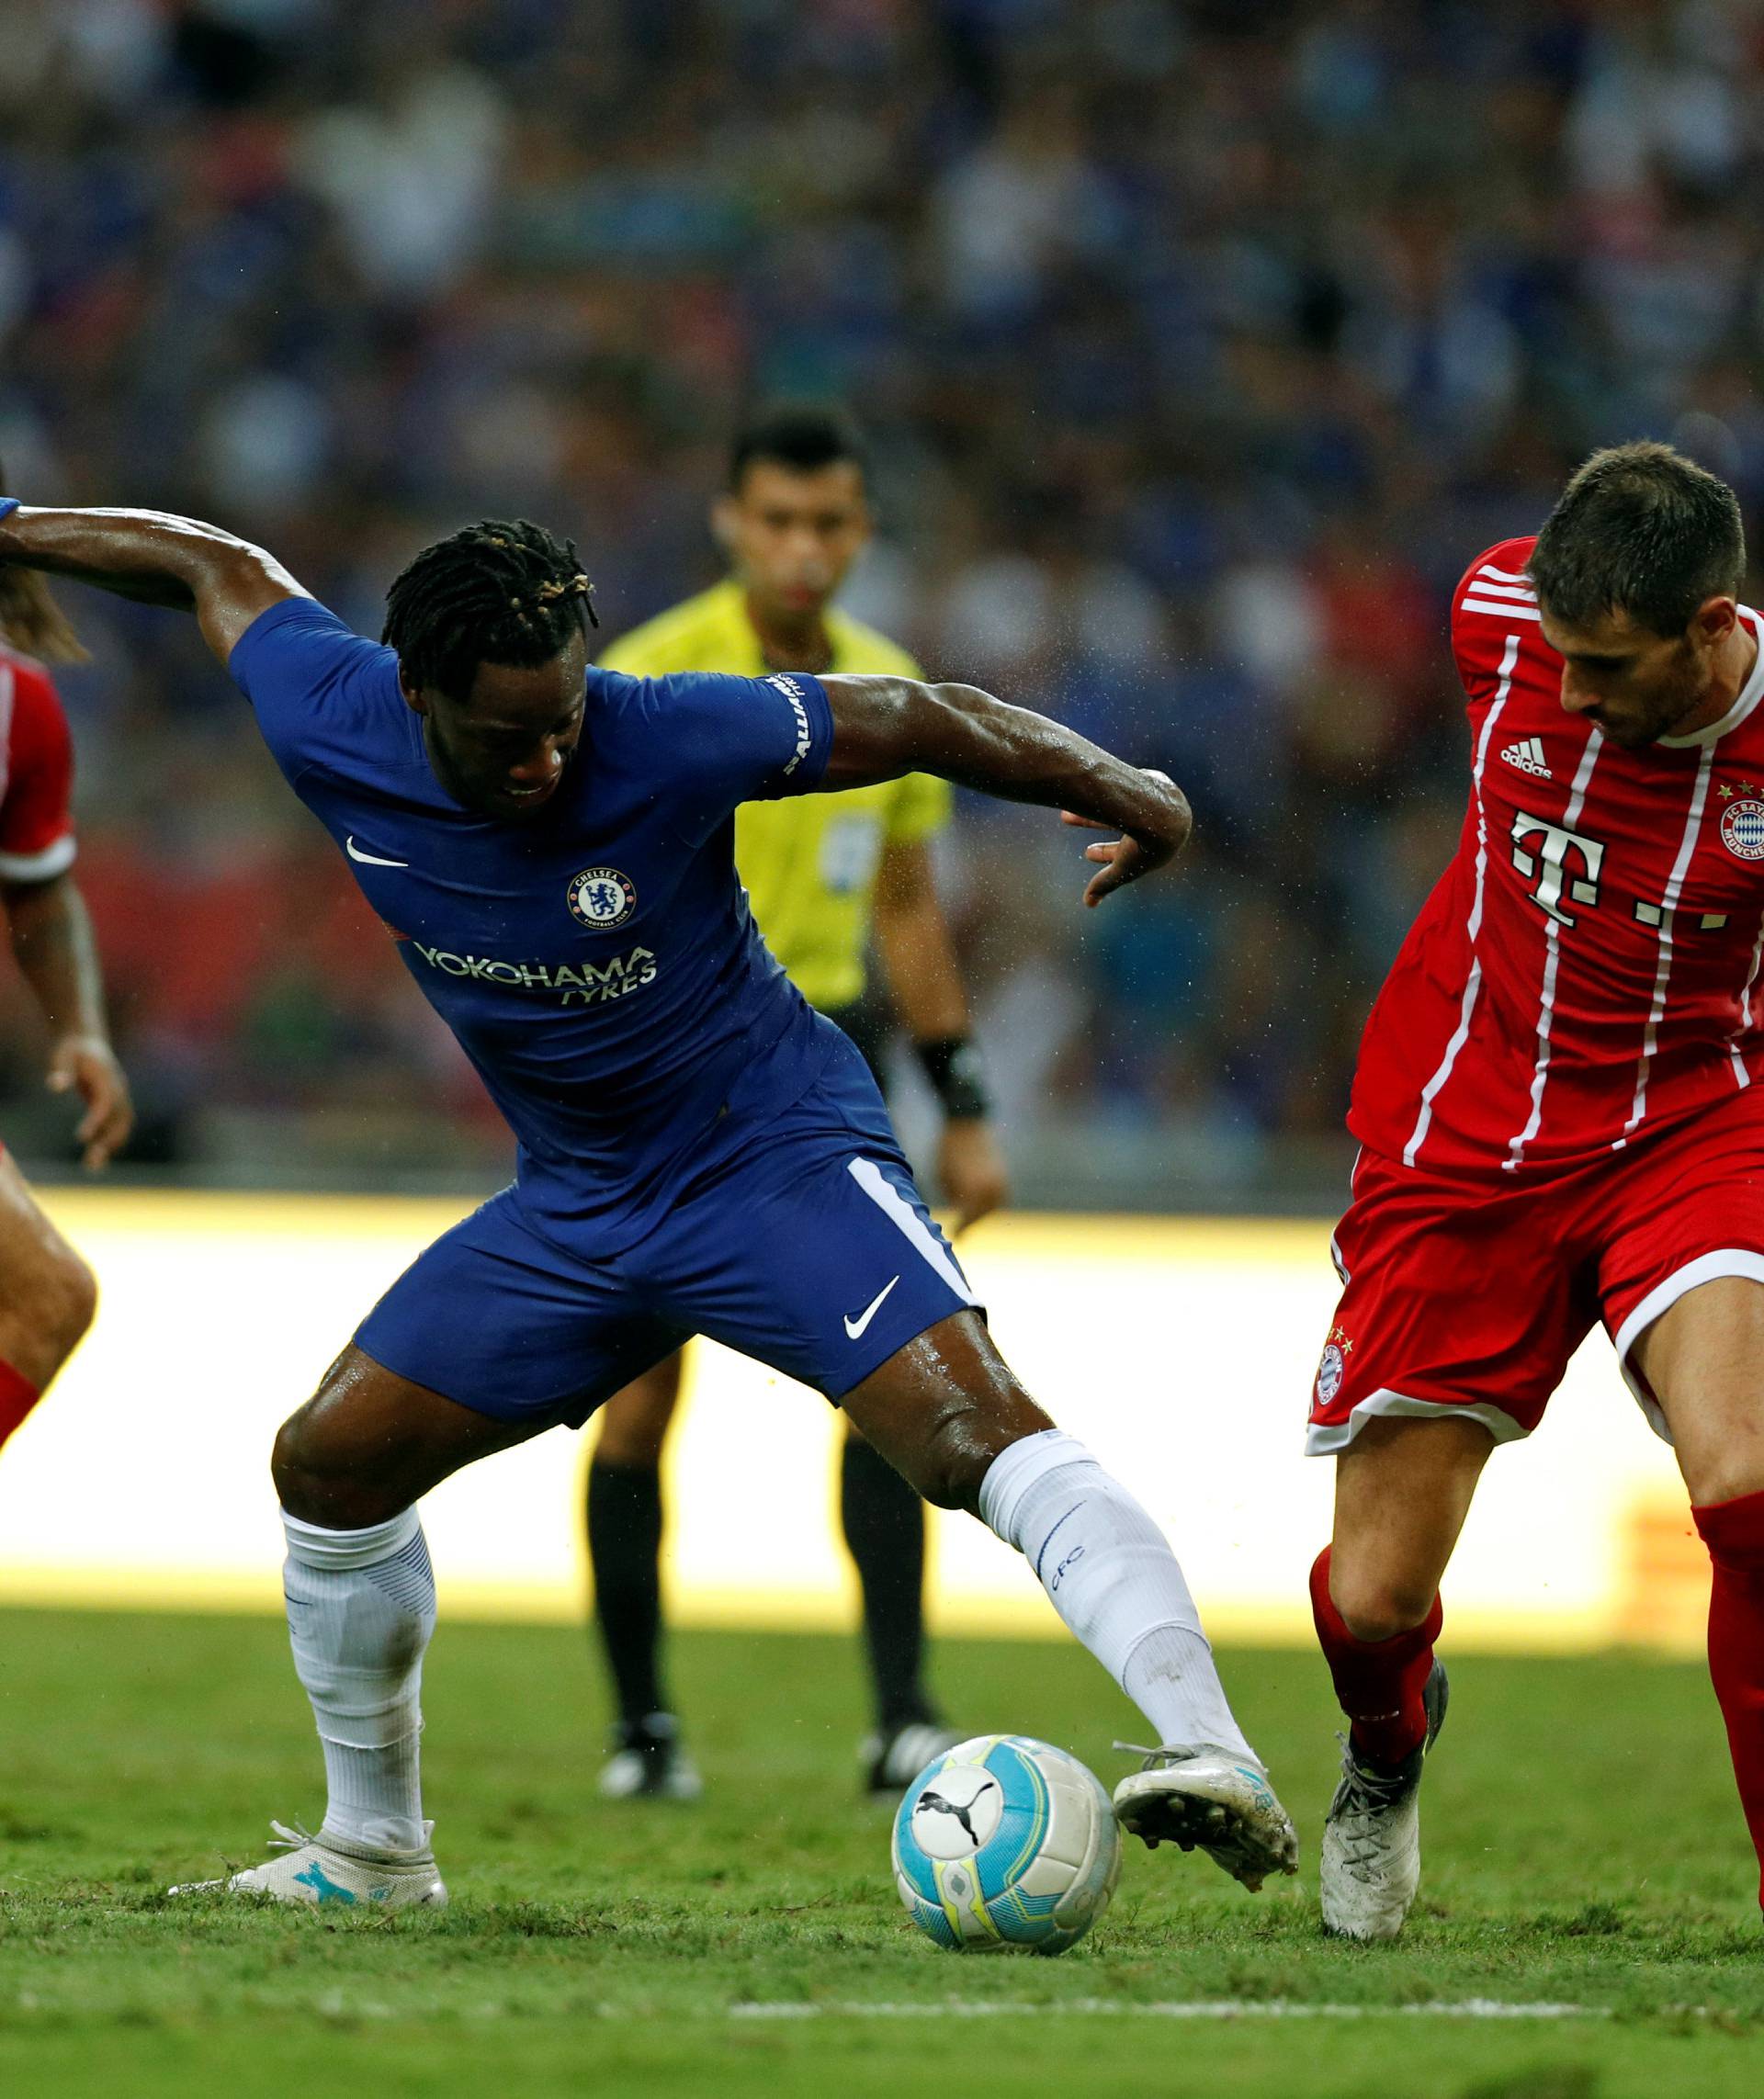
1639, 529
803, 438
502, 590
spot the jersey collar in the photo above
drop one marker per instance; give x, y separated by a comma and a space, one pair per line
1750, 694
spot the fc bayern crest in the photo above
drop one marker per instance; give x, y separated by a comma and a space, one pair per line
1742, 828
1328, 1373
603, 898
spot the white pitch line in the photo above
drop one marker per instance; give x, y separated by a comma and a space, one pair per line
1200, 2008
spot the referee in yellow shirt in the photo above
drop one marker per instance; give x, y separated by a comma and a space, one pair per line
824, 873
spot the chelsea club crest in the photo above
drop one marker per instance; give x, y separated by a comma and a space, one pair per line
602, 897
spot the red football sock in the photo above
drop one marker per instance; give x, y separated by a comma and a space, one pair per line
18, 1397
1734, 1532
1378, 1682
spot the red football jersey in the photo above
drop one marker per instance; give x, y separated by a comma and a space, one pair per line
36, 774
1586, 971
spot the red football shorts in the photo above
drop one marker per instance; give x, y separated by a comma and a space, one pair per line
1460, 1296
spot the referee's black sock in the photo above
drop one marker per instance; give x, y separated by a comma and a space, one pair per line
885, 1532
624, 1510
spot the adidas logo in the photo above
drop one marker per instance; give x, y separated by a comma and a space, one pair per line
1529, 758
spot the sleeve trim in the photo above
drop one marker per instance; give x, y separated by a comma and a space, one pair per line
814, 752
42, 866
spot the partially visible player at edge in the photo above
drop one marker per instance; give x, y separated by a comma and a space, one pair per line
821, 872
1558, 1102
699, 1151
46, 1294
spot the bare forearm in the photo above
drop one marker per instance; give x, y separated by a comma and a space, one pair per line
921, 974
965, 735
52, 938
918, 956
143, 554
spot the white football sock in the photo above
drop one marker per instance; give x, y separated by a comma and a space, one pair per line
361, 1610
1109, 1575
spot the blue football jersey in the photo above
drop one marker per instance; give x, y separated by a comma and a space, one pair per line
597, 963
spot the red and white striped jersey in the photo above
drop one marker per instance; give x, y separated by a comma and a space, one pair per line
1586, 971
36, 774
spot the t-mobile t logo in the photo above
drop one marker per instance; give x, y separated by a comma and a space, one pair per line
1551, 865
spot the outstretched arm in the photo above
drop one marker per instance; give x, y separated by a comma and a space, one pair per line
161, 560
884, 727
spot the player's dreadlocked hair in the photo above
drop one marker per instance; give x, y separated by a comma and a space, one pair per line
493, 592
1639, 529
29, 617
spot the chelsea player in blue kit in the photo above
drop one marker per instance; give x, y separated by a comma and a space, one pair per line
699, 1152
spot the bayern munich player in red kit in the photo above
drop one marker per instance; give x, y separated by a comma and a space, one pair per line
47, 1294
1559, 1106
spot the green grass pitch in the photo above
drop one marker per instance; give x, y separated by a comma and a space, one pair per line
1584, 1850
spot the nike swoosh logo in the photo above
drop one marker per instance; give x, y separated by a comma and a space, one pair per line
855, 1328
369, 859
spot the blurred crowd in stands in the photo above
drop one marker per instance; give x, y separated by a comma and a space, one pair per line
1201, 347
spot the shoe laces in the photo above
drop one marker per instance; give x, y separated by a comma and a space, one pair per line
289, 1836
1370, 1792
1362, 1800
1169, 1752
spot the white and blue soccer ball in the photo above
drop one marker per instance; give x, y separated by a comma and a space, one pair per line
1005, 1842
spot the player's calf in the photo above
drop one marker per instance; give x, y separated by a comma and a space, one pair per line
349, 1467
1380, 1675
1734, 1532
948, 1413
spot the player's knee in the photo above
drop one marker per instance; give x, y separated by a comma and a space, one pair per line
945, 1478
69, 1300
959, 1452
1724, 1475
295, 1462
1378, 1605
320, 1481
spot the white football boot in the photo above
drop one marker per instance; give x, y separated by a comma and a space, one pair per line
325, 1869
649, 1763
1371, 1841
1212, 1799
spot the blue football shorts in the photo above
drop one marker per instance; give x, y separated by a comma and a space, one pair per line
804, 1244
